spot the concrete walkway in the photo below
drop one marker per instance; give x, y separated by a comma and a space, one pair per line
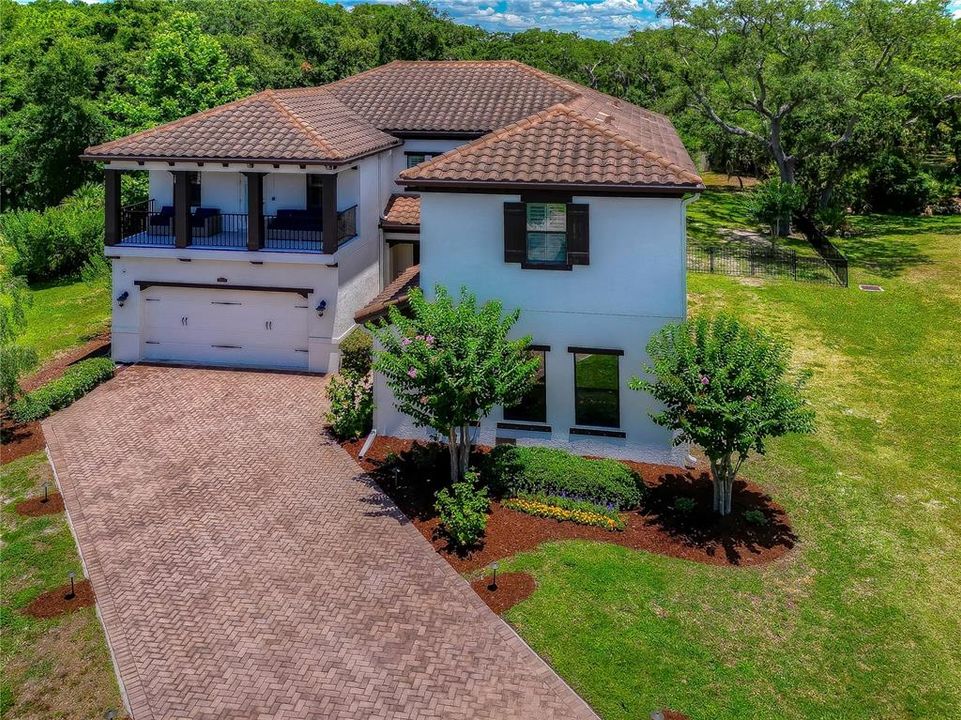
245, 568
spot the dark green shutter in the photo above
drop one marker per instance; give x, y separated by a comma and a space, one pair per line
578, 235
515, 232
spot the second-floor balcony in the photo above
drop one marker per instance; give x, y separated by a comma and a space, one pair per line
292, 229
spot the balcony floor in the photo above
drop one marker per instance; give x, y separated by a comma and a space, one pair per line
228, 240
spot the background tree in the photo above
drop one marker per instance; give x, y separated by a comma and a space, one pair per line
795, 76
449, 363
15, 358
726, 388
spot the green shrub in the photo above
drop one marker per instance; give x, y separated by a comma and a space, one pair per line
356, 352
755, 517
685, 504
57, 241
351, 401
463, 511
562, 508
772, 203
76, 382
351, 393
548, 471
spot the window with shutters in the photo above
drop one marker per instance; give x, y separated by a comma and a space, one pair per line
546, 235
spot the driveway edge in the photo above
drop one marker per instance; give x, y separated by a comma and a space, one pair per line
132, 692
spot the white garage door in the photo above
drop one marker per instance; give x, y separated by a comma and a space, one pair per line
225, 327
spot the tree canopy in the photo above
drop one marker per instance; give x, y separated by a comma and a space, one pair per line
851, 99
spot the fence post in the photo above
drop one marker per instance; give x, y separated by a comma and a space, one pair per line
794, 266
710, 253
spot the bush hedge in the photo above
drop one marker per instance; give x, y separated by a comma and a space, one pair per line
76, 382
59, 240
462, 510
517, 471
356, 352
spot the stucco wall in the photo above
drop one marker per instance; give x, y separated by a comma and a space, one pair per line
635, 283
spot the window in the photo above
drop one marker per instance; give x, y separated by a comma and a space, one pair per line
416, 158
533, 407
596, 388
314, 192
193, 189
546, 235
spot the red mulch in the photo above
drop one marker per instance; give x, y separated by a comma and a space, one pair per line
17, 441
35, 506
55, 602
673, 715
511, 589
656, 527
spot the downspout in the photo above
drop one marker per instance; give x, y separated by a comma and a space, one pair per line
689, 461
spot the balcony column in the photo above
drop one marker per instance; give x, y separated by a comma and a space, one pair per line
181, 208
255, 210
328, 200
112, 224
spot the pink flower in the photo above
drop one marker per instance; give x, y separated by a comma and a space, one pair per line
705, 380
412, 372
405, 342
429, 339
749, 398
423, 399
420, 337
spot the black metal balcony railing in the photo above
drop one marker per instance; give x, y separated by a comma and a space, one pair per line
291, 230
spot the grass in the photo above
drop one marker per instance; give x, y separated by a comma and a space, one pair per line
58, 667
863, 619
65, 314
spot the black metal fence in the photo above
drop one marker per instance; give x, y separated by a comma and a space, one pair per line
757, 261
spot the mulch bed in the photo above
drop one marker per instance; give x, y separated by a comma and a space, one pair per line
17, 441
55, 602
511, 589
672, 715
35, 506
656, 527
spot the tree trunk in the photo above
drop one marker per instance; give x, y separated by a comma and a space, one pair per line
464, 450
785, 166
722, 473
454, 449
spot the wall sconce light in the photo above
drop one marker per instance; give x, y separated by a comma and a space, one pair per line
122, 298
321, 308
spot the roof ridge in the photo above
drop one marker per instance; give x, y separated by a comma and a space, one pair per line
315, 136
632, 145
495, 135
178, 122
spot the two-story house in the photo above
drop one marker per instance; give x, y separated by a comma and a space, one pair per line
278, 222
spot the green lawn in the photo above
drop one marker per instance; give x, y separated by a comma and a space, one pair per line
56, 668
65, 314
863, 619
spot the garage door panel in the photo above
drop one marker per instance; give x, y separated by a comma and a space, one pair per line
225, 327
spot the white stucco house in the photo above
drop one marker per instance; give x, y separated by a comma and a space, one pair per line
278, 222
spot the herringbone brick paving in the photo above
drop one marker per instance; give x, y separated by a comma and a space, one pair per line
246, 568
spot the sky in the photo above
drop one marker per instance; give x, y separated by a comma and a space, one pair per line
605, 19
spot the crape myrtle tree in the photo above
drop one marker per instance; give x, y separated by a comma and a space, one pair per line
725, 387
449, 363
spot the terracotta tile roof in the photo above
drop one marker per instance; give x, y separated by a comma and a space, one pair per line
449, 96
287, 125
402, 211
394, 294
541, 128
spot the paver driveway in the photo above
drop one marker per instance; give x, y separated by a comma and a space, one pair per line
245, 568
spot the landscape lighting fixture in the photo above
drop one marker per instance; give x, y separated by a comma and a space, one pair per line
45, 497
72, 594
493, 585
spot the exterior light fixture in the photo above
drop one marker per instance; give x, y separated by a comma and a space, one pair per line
122, 298
110, 715
45, 496
493, 585
72, 594
321, 307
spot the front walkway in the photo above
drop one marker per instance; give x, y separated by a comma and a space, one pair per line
246, 569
